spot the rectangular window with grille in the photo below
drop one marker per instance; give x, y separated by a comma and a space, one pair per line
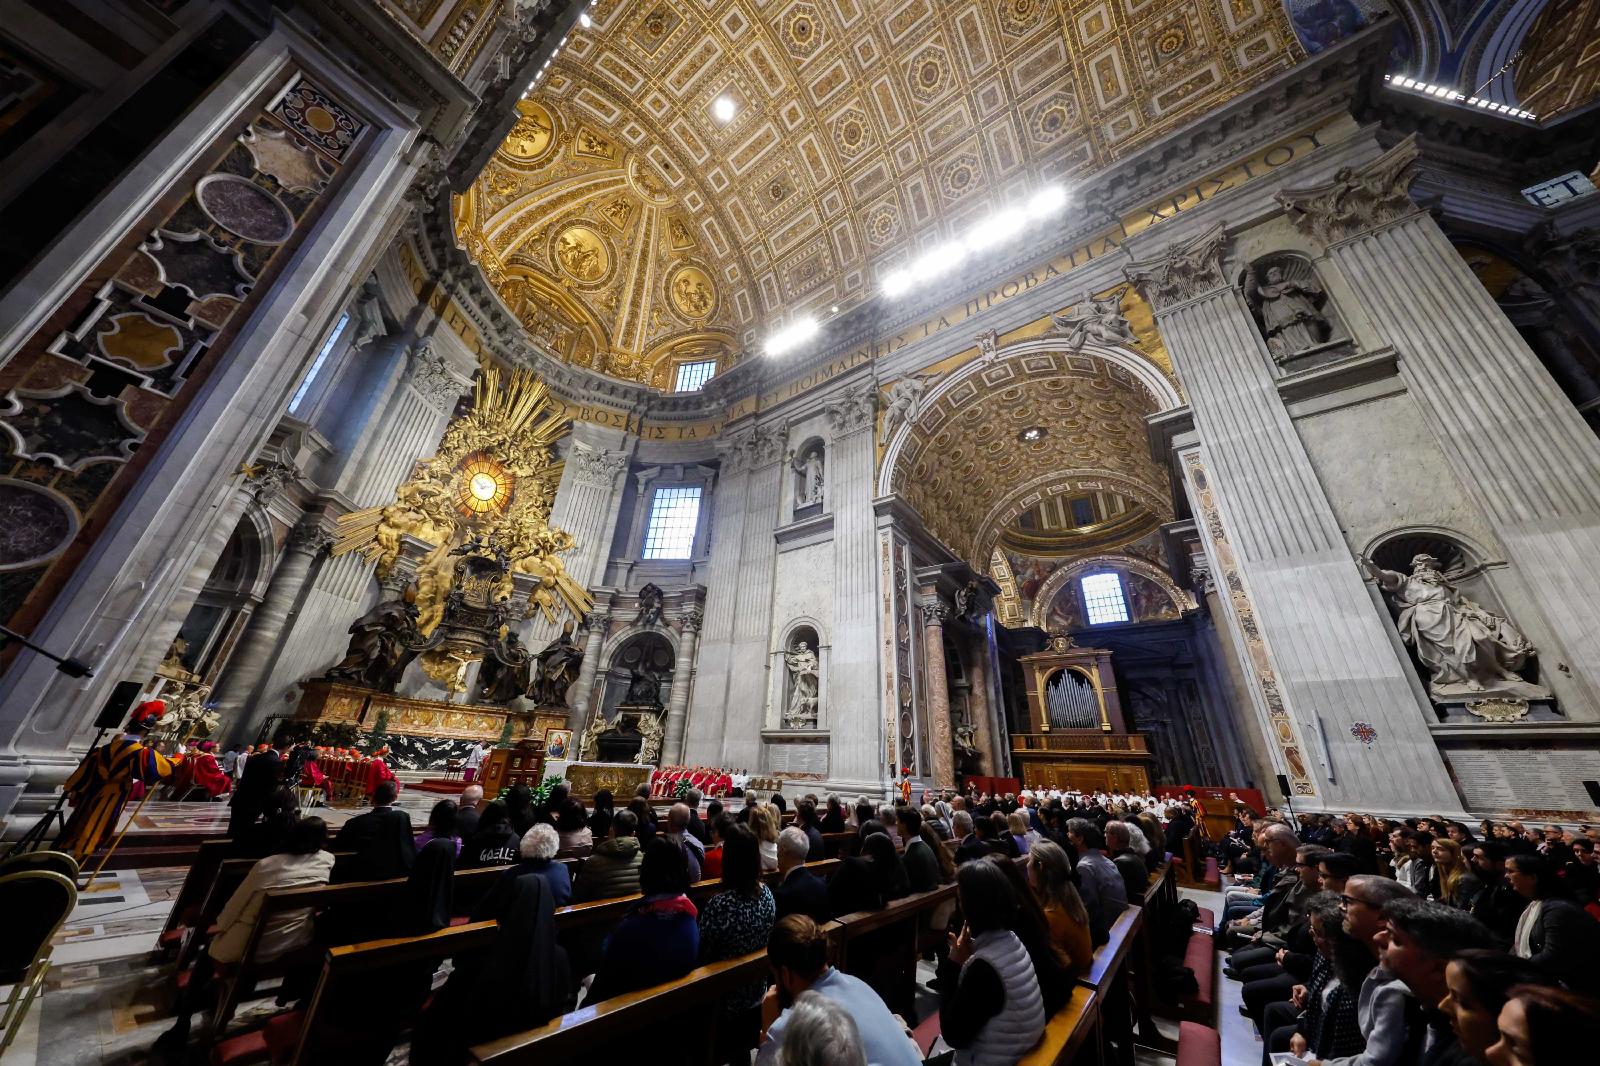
674, 516
691, 376
1103, 600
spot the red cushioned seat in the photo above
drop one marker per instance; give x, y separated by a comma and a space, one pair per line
1200, 958
926, 1033
1199, 1045
172, 937
463, 920
241, 1049
1213, 871
1208, 918
283, 1033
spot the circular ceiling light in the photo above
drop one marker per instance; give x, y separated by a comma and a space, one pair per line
723, 108
1032, 434
584, 20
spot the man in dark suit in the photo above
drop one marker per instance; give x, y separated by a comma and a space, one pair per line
263, 773
467, 812
805, 817
381, 839
970, 846
697, 827
799, 891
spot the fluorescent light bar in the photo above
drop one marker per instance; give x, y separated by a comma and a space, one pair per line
796, 334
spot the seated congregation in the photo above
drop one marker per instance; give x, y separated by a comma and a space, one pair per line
1371, 942
518, 931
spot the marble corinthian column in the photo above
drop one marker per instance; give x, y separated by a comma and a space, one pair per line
935, 612
237, 700
689, 622
1512, 437
1324, 659
702, 743
758, 554
855, 720
594, 626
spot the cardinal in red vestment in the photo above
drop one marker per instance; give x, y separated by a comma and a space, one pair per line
207, 773
377, 770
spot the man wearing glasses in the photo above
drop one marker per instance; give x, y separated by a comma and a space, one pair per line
1381, 1005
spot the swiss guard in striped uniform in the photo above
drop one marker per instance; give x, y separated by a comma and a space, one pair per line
99, 787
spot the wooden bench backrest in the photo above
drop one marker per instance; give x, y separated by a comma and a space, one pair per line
1110, 957
354, 962
1066, 1031
197, 882
565, 1039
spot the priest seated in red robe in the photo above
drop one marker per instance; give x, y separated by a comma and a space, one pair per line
377, 771
207, 772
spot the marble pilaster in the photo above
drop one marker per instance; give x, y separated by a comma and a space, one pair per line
690, 622
745, 709
703, 728
1319, 637
594, 626
1512, 437
855, 714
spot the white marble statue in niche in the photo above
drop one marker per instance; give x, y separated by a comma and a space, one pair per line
1471, 653
1288, 305
809, 475
802, 663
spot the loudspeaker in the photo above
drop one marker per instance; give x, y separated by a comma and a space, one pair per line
115, 712
1283, 785
1593, 788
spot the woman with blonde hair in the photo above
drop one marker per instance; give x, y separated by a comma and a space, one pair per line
764, 824
1450, 881
1054, 885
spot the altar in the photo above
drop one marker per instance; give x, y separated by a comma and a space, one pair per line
421, 734
621, 779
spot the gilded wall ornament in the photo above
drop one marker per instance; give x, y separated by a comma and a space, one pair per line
693, 293
532, 135
512, 427
582, 254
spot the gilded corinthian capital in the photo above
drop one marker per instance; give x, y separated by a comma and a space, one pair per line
1358, 199
1186, 270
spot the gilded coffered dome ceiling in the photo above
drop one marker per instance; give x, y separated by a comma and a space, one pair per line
1026, 430
862, 131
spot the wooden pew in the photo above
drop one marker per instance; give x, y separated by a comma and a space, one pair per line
208, 859
1108, 977
899, 925
303, 1037
575, 1035
1067, 1031
1158, 898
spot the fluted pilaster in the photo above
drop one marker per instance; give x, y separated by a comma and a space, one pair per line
934, 613
1327, 661
690, 622
855, 716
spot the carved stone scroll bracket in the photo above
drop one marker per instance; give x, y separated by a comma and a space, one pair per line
1358, 199
1184, 271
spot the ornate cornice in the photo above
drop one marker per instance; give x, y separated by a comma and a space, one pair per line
595, 467
1358, 199
1185, 270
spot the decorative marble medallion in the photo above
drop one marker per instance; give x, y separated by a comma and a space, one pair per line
244, 208
35, 524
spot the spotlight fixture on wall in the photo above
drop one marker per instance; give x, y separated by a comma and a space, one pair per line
723, 109
797, 333
992, 232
